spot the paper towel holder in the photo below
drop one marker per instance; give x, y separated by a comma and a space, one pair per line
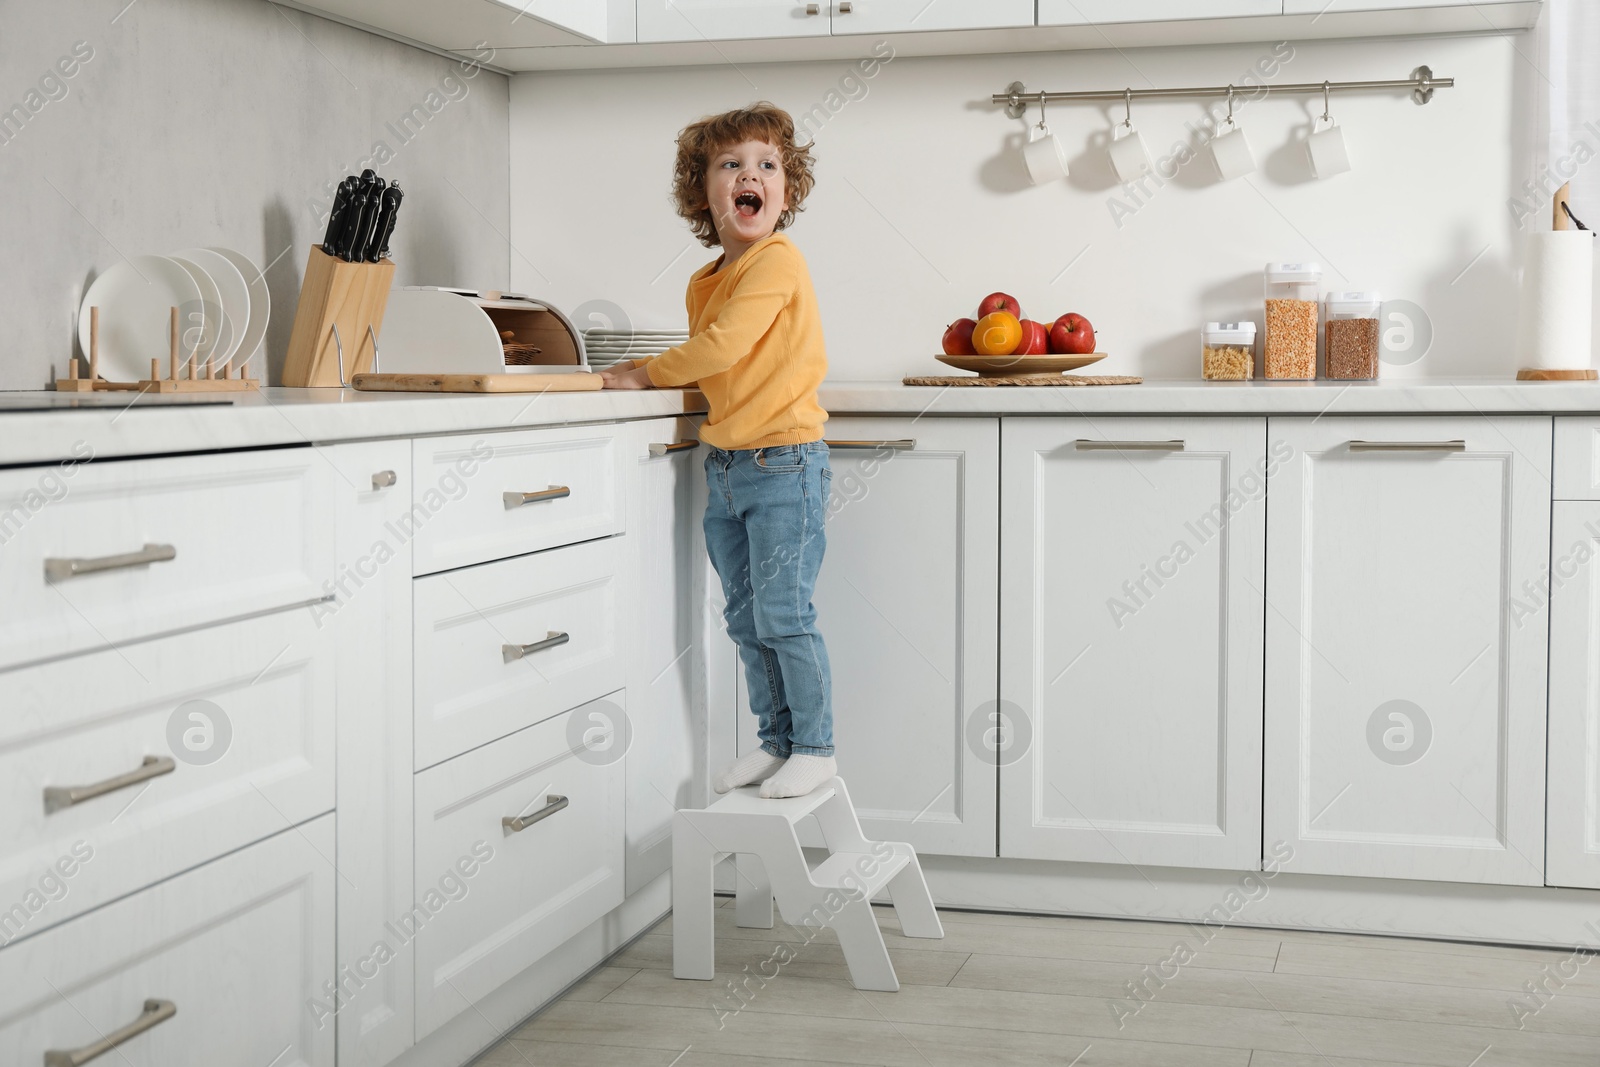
1561, 218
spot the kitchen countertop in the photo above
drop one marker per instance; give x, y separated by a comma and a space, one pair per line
318, 416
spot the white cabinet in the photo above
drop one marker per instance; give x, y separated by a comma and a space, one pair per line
665, 735
718, 20
1573, 836
1577, 459
906, 602
1090, 12
1316, 7
913, 16
1131, 641
1405, 689
241, 948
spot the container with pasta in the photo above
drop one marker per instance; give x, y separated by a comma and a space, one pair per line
1353, 336
1290, 349
1228, 351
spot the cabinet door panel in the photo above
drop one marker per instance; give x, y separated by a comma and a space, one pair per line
1131, 641
722, 20
906, 16
907, 607
1405, 722
1089, 12
1574, 765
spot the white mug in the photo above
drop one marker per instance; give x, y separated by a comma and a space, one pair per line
1046, 159
1130, 160
1231, 154
1327, 150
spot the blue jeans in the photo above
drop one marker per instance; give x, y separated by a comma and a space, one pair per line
764, 534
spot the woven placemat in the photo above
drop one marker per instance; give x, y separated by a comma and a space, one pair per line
1033, 379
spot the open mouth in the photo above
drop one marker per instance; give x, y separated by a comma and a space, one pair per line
747, 204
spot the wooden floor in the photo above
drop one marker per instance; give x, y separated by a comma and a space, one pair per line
1025, 991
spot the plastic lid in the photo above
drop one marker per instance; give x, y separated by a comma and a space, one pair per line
1230, 333
1294, 272
1365, 300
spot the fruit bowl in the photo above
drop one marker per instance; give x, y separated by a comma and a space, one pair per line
1020, 366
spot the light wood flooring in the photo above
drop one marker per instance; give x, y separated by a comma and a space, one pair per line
1029, 991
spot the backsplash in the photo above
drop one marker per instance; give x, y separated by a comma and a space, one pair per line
922, 204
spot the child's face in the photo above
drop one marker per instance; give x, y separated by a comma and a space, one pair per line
745, 189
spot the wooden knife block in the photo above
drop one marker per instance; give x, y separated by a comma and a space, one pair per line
349, 296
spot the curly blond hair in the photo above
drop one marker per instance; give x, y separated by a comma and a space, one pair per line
700, 141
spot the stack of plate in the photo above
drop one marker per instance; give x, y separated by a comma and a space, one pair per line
222, 303
606, 347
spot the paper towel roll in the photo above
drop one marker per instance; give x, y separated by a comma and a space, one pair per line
1557, 301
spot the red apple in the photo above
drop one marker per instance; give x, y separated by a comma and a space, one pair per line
1035, 339
958, 338
1072, 336
999, 302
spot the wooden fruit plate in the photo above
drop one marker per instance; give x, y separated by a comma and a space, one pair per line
1020, 366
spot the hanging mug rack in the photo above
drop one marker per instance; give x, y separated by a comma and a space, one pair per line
1422, 84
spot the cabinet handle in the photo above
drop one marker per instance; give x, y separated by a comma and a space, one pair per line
59, 570
57, 797
1408, 446
1084, 445
677, 446
518, 823
555, 492
383, 479
813, 9
155, 1013
515, 652
844, 8
904, 445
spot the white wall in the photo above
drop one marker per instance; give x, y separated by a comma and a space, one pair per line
214, 122
922, 206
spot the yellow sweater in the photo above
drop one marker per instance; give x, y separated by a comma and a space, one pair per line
755, 349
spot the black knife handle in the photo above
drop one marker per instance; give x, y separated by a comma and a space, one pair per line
385, 229
341, 203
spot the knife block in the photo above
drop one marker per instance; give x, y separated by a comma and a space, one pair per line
337, 321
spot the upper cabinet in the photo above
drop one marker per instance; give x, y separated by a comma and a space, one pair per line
1091, 12
465, 26
916, 16
720, 20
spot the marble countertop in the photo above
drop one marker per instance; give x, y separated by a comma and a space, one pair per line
118, 426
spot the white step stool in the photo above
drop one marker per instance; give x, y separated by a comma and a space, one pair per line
760, 832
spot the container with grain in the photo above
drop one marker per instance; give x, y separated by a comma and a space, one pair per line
1353, 336
1290, 350
1228, 351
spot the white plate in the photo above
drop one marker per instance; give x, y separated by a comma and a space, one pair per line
200, 323
260, 305
134, 298
235, 293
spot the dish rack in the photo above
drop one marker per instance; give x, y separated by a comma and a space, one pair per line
202, 377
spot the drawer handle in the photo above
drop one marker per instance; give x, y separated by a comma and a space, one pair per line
155, 1013
59, 570
555, 492
677, 446
383, 479
903, 445
518, 823
1084, 445
844, 8
515, 652
1408, 446
57, 797
813, 9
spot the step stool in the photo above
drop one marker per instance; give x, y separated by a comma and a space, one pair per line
760, 834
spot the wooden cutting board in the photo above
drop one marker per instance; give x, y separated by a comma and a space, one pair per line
571, 381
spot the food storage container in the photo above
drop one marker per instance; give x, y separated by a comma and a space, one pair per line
1228, 351
1353, 335
1292, 291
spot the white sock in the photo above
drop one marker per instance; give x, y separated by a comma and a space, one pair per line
751, 767
799, 775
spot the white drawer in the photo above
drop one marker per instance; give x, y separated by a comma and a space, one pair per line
502, 898
240, 947
475, 683
1576, 467
239, 717
468, 493
248, 531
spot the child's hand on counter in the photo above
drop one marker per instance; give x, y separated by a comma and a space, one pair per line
637, 378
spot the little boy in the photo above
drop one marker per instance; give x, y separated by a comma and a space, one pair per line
756, 352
